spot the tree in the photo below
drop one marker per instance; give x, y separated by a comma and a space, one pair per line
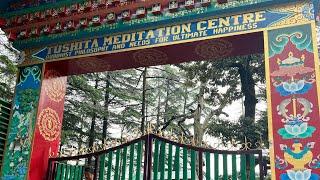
96, 101
224, 81
8, 72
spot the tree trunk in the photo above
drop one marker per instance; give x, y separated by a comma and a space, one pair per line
166, 104
198, 129
185, 96
93, 123
158, 111
197, 126
248, 89
250, 101
106, 108
143, 106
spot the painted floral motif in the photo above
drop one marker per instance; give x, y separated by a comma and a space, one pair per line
308, 11
299, 175
298, 131
293, 80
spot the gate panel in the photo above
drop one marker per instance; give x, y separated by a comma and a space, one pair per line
199, 163
168, 160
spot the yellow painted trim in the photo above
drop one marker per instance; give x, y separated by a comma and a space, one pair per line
316, 60
174, 43
269, 102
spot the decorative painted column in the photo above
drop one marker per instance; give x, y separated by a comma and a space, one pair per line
292, 71
48, 124
35, 128
20, 132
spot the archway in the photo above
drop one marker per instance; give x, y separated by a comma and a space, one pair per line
284, 32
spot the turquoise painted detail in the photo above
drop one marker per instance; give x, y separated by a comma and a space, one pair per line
294, 88
298, 155
22, 123
300, 36
296, 131
299, 175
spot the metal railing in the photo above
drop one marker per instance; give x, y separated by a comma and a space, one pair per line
154, 157
4, 123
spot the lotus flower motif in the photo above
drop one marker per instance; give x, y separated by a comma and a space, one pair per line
299, 175
293, 86
296, 129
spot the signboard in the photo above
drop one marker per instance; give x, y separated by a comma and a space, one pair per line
151, 20
165, 35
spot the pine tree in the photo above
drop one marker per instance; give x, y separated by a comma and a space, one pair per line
8, 72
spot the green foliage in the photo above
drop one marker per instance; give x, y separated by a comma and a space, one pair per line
27, 99
85, 104
225, 81
187, 99
8, 72
229, 131
224, 73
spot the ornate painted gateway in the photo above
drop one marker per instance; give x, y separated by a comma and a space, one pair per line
63, 37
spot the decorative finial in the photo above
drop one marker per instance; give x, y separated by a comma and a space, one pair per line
246, 145
182, 139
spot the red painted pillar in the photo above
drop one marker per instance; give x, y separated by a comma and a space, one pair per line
293, 77
48, 123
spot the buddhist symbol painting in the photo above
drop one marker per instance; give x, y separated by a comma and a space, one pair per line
49, 122
20, 135
295, 116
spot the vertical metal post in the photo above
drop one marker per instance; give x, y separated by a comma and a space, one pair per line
96, 167
149, 166
146, 150
261, 164
54, 170
49, 173
200, 165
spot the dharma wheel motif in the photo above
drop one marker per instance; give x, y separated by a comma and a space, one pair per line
49, 124
55, 86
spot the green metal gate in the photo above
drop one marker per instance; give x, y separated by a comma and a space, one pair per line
4, 121
157, 158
